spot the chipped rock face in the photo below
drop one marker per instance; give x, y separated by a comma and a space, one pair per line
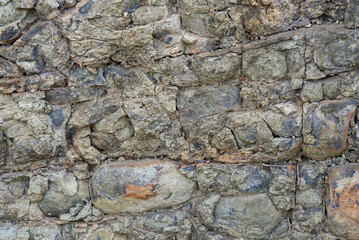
326, 127
139, 186
66, 188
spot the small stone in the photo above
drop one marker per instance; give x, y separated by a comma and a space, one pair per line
312, 92
38, 186
296, 83
189, 38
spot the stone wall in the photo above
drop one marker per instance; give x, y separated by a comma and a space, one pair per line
179, 119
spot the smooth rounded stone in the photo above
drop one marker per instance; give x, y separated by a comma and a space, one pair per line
325, 128
342, 201
250, 216
264, 65
137, 186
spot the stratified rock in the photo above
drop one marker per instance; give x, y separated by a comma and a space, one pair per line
139, 186
325, 128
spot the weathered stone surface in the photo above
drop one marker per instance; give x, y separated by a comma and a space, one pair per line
207, 95
13, 19
351, 14
325, 128
267, 65
39, 47
13, 197
263, 131
96, 42
24, 232
309, 215
147, 14
260, 65
259, 218
264, 94
233, 179
217, 69
63, 187
175, 71
139, 186
263, 18
36, 129
228, 189
199, 102
332, 49
342, 207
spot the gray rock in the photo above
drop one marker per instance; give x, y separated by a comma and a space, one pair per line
66, 189
325, 128
259, 218
139, 186
217, 69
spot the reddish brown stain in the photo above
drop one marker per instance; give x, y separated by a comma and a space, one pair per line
347, 201
140, 192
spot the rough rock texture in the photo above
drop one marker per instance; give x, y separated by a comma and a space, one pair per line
179, 119
342, 200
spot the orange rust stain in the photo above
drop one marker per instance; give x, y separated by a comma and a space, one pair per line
140, 192
349, 200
